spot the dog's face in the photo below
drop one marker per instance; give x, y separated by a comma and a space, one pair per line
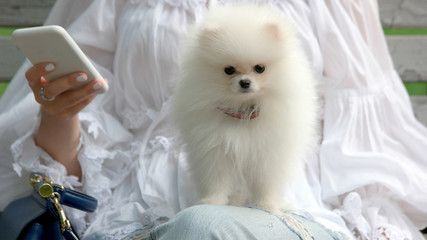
243, 62
244, 79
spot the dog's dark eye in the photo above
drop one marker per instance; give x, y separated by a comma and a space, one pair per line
259, 68
229, 70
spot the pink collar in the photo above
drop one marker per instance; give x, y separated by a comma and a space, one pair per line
240, 114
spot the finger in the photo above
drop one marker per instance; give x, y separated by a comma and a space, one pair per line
36, 72
75, 109
55, 88
71, 98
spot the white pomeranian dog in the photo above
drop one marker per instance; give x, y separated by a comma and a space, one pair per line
245, 106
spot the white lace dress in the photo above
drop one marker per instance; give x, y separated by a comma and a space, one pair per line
372, 146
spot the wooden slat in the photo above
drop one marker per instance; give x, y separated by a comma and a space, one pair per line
419, 104
10, 58
24, 12
409, 55
403, 13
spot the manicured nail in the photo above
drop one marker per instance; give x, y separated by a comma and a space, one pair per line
97, 86
81, 78
49, 67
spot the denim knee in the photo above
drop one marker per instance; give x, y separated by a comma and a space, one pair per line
197, 222
227, 222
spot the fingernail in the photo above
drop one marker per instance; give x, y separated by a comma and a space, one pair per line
81, 78
49, 67
97, 86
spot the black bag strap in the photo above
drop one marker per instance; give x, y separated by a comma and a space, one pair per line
19, 214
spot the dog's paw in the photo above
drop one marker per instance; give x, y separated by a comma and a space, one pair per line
214, 200
269, 206
277, 208
285, 206
238, 198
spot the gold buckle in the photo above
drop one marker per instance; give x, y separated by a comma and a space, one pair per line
63, 220
46, 190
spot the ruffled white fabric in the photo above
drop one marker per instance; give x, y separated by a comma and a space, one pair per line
376, 217
128, 155
372, 142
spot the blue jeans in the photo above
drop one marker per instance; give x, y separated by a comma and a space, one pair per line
237, 223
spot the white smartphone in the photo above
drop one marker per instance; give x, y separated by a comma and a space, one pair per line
53, 44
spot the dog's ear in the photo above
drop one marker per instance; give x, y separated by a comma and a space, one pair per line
274, 31
279, 32
209, 35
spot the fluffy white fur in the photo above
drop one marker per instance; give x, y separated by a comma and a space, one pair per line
244, 161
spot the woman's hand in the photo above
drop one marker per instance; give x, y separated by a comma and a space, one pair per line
58, 98
59, 130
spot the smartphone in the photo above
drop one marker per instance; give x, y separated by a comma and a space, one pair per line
53, 44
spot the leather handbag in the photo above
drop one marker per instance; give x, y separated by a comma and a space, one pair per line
40, 215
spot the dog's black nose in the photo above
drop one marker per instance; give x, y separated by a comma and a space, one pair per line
245, 83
